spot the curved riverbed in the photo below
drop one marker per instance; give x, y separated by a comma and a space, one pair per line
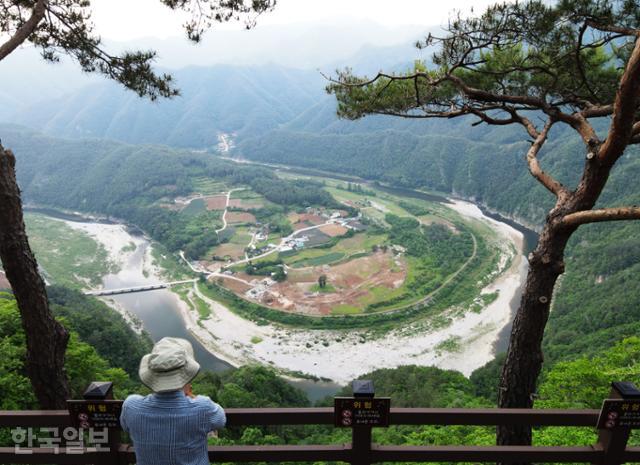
226, 339
161, 312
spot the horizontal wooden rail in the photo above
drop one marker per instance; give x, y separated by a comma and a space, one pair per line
49, 455
35, 418
344, 453
494, 454
324, 416
352, 453
493, 416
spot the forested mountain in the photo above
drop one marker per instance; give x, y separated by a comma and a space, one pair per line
243, 100
127, 181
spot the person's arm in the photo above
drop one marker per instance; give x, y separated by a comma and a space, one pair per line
217, 417
123, 416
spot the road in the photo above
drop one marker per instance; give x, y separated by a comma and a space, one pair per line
277, 248
226, 208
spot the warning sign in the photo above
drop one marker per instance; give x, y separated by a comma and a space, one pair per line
350, 411
619, 413
87, 414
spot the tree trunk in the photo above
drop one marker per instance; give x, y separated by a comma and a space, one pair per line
46, 338
524, 357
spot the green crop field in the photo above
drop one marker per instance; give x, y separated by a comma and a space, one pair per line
351, 247
317, 261
208, 186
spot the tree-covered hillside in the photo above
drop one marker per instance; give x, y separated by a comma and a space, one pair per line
220, 99
582, 383
128, 182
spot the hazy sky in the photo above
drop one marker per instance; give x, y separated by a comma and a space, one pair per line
131, 19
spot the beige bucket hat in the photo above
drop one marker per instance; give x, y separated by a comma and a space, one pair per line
169, 366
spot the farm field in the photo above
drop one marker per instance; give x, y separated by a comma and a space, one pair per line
208, 186
216, 202
246, 199
354, 283
240, 218
403, 252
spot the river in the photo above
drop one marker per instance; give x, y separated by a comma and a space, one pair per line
161, 312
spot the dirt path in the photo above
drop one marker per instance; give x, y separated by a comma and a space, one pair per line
226, 208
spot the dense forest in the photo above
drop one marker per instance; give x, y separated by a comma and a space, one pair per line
255, 386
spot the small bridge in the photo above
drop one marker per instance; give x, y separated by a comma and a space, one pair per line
129, 290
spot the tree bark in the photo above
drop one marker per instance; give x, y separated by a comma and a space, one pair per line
46, 338
524, 356
546, 263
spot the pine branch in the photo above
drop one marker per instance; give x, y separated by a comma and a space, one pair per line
599, 215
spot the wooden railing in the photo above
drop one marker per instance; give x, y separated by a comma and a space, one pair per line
359, 451
611, 447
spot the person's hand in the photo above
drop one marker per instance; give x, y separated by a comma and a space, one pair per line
188, 391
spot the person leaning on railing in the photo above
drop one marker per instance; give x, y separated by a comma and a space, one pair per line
171, 425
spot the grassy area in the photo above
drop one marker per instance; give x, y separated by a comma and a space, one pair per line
69, 257
208, 186
203, 308
381, 202
247, 194
381, 294
273, 238
130, 247
344, 309
360, 245
450, 345
194, 208
186, 294
173, 267
327, 289
241, 236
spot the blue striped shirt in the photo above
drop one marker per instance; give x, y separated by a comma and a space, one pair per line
170, 428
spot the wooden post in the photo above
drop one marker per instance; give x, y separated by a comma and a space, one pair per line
103, 390
361, 434
361, 445
614, 441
